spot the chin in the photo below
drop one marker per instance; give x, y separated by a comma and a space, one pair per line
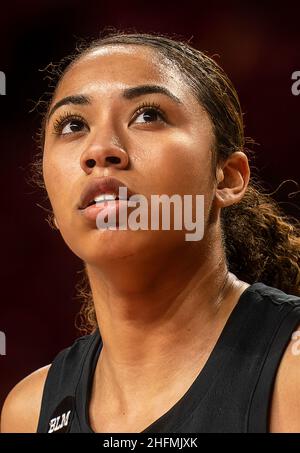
99, 247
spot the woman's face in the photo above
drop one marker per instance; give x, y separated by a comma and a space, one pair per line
153, 142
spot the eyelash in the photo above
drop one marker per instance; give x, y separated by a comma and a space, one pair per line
66, 117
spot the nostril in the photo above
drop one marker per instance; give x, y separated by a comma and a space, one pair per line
91, 163
113, 159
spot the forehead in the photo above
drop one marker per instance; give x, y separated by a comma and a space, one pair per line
114, 67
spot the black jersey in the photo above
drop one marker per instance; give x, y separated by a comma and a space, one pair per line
232, 393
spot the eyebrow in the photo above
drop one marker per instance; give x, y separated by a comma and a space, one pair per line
128, 93
131, 93
78, 99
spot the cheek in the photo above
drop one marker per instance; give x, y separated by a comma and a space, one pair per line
58, 173
180, 164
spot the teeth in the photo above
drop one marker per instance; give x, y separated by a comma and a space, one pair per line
105, 197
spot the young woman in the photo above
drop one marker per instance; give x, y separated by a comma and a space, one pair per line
183, 336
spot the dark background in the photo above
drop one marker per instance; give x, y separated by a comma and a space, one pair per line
258, 46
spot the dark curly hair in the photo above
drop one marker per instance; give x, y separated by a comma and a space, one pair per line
261, 242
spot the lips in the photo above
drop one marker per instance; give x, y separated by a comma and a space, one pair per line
100, 186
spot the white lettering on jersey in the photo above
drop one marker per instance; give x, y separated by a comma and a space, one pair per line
59, 422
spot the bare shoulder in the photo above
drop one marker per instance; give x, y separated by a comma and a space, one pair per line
21, 409
285, 407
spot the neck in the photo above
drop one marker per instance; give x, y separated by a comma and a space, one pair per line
159, 319
172, 299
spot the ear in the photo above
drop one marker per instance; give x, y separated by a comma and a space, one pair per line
232, 179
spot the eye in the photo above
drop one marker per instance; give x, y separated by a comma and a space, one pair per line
69, 124
149, 113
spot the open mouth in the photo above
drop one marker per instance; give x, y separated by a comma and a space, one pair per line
105, 198
100, 192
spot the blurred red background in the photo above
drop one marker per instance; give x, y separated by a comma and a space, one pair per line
258, 46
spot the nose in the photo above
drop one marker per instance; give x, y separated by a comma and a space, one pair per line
103, 153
